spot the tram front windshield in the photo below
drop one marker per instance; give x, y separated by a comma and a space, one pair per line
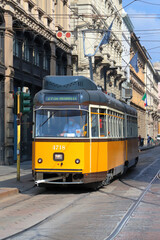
61, 123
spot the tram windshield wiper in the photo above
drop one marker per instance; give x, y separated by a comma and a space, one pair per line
47, 120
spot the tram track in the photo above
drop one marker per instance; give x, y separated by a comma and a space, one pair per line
55, 214
132, 209
51, 216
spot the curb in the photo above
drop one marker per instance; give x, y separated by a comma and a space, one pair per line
6, 192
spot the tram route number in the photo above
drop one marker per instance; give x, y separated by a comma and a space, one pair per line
59, 147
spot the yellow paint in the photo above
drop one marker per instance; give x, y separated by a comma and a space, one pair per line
71, 150
97, 157
116, 154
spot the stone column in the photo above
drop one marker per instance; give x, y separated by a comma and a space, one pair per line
8, 87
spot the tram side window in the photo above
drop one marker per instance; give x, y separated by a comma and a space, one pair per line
120, 120
102, 123
131, 128
116, 125
134, 127
128, 126
109, 124
94, 122
124, 127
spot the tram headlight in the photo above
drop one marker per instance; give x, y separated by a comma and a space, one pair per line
77, 161
58, 156
40, 160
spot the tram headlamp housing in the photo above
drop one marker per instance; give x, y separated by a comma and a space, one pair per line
77, 161
40, 160
58, 156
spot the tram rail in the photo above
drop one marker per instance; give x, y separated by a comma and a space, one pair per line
132, 209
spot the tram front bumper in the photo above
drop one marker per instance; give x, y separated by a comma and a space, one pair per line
51, 181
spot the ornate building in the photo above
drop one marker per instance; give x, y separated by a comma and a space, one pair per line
127, 29
151, 89
144, 82
31, 51
95, 16
2, 74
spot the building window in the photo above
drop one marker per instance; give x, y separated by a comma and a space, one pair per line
30, 7
46, 61
16, 48
40, 14
49, 22
25, 51
36, 57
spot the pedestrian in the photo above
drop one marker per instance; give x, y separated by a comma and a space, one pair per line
139, 138
148, 139
152, 140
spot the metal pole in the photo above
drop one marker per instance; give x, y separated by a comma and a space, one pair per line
90, 67
18, 134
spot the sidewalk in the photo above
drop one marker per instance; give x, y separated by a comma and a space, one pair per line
8, 179
145, 147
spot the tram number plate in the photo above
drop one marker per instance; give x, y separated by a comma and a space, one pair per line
59, 147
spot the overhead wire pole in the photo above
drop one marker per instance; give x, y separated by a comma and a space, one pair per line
103, 41
90, 67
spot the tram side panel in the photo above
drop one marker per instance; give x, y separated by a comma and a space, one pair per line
116, 154
105, 155
132, 151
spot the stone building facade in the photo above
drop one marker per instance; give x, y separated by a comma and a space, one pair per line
31, 51
127, 29
2, 74
151, 89
107, 62
144, 82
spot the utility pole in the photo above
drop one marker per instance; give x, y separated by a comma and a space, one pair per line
18, 133
90, 67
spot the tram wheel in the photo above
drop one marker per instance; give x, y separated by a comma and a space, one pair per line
136, 161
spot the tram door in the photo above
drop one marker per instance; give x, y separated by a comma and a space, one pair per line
98, 139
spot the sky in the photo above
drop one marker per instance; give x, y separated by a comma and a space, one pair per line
145, 16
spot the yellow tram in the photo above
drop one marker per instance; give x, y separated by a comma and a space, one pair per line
81, 135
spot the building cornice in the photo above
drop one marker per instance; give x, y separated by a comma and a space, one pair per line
30, 23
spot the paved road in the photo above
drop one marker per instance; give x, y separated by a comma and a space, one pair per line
75, 213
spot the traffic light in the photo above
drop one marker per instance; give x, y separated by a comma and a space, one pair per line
25, 104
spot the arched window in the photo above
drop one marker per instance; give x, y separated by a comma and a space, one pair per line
36, 56
16, 47
25, 50
46, 58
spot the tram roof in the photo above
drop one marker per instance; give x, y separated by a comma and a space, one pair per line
68, 83
84, 88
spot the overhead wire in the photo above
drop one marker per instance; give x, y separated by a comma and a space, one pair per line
151, 3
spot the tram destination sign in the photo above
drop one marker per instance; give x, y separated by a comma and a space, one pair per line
56, 97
